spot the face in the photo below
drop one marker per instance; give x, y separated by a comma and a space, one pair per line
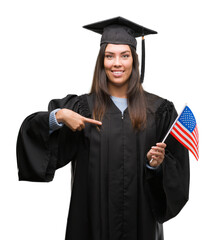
118, 64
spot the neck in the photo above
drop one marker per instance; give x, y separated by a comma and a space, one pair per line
116, 91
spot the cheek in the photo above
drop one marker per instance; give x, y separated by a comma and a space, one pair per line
129, 67
107, 65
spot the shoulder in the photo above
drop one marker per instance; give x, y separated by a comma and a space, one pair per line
74, 102
66, 102
156, 104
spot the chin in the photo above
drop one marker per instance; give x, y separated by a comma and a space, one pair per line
118, 83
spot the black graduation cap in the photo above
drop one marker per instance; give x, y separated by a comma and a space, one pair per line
122, 31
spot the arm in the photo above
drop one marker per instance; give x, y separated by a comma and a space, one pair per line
169, 190
73, 120
40, 153
53, 123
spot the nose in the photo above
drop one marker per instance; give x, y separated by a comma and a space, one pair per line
117, 62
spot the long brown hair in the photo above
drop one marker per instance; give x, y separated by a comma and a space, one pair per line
135, 92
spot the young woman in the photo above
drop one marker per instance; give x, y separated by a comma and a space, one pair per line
126, 181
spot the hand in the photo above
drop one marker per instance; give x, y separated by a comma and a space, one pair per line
156, 154
74, 120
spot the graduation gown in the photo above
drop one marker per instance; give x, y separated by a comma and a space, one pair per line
114, 195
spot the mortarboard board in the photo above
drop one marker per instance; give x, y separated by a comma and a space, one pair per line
122, 31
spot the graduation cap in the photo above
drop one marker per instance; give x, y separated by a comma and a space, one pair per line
122, 31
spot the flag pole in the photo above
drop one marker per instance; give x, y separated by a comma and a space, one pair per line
173, 124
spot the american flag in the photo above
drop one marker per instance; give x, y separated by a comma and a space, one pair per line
186, 132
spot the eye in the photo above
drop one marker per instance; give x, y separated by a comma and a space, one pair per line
125, 55
108, 56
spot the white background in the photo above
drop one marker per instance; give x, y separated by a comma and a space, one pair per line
45, 53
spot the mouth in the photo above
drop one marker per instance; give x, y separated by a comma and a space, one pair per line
117, 73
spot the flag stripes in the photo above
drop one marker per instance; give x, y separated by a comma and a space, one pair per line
196, 133
193, 136
186, 139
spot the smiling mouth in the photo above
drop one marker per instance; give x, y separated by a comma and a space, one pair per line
117, 73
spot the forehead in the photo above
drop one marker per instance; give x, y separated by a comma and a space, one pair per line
115, 48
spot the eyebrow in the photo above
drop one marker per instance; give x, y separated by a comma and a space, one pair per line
127, 51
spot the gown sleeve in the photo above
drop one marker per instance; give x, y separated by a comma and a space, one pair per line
39, 153
169, 188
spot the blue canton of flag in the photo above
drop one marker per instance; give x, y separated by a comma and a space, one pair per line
187, 119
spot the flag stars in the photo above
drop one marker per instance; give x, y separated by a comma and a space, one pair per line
187, 119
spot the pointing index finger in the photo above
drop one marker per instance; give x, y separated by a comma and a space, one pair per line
93, 121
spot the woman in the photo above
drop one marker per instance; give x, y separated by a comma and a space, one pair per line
126, 181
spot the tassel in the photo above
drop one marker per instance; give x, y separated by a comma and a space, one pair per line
143, 61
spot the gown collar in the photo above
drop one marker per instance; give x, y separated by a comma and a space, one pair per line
115, 105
